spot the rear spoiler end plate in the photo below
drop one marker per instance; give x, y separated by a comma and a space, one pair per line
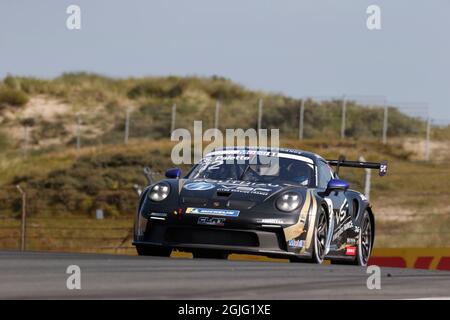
341, 162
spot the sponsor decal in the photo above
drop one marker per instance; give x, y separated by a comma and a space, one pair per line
158, 218
342, 213
344, 227
211, 221
246, 190
199, 186
222, 159
248, 187
275, 221
158, 214
266, 153
350, 251
295, 243
419, 258
213, 212
351, 241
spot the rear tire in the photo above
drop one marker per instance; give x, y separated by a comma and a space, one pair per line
153, 251
209, 254
365, 243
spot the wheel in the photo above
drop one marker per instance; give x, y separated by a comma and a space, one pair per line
320, 237
208, 254
364, 241
319, 240
153, 251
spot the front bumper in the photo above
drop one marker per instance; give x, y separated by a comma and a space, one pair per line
267, 241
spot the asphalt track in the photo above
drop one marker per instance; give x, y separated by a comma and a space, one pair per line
39, 275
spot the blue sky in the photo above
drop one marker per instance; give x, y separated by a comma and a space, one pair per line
294, 47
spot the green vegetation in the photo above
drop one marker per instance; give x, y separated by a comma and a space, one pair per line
101, 102
13, 97
411, 203
75, 233
3, 141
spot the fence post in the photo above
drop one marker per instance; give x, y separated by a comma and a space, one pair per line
24, 218
367, 179
174, 114
25, 140
127, 125
260, 112
427, 141
216, 115
78, 131
344, 111
385, 122
301, 120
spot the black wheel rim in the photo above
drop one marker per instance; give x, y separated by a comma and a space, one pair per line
366, 240
321, 235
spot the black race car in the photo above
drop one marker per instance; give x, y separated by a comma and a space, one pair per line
278, 203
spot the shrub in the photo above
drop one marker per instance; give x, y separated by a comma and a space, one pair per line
14, 97
157, 88
4, 142
48, 130
11, 82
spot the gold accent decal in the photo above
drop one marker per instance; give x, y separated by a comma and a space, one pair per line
312, 223
296, 230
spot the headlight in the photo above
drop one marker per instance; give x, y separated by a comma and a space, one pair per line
288, 201
159, 192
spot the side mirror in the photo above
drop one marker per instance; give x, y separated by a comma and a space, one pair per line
336, 185
174, 173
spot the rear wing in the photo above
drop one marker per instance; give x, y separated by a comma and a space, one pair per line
341, 162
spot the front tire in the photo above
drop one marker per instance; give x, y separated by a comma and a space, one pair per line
319, 240
152, 251
320, 237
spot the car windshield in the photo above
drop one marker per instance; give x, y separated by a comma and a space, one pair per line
279, 169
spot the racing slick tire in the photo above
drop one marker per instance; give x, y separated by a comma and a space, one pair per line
319, 239
152, 251
365, 243
209, 254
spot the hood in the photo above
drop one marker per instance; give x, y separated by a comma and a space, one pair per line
230, 190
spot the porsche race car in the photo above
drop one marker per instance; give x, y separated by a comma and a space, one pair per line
282, 203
